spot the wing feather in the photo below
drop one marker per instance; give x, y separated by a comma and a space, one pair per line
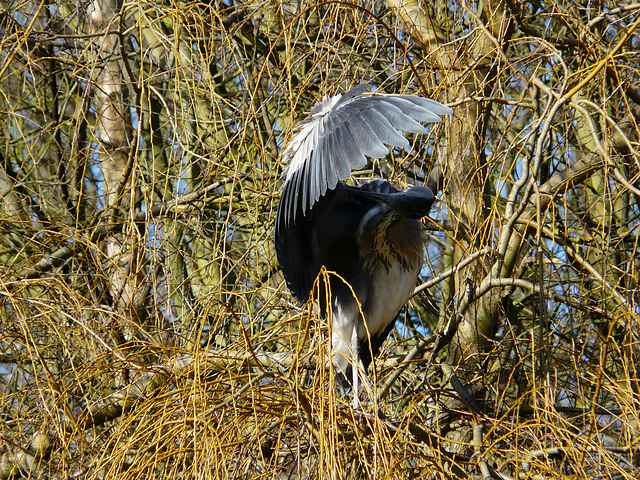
384, 129
323, 160
398, 118
352, 149
370, 143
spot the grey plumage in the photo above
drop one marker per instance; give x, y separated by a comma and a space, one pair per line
369, 235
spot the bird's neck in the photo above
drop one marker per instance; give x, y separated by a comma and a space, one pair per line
385, 237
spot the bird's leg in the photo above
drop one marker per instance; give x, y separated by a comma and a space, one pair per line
367, 385
355, 367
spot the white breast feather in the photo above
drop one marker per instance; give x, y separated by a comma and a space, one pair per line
399, 283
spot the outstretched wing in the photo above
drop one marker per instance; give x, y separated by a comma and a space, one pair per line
339, 135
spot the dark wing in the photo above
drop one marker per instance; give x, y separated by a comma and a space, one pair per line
339, 135
324, 236
297, 254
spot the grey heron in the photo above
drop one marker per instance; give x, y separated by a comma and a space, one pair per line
369, 235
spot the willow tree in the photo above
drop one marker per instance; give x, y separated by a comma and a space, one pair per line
146, 328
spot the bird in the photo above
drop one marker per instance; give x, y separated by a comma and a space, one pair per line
368, 236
